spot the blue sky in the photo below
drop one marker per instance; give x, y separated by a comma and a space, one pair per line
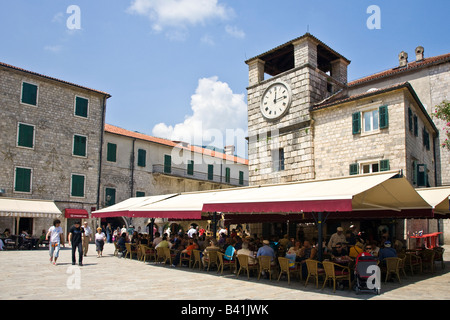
172, 64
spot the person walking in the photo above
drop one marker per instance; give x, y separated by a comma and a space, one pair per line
55, 233
109, 232
99, 241
76, 241
87, 237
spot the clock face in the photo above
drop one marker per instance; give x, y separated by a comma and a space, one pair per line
276, 101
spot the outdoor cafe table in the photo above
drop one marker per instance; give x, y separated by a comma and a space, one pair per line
430, 240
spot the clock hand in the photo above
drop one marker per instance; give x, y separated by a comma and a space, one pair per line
282, 98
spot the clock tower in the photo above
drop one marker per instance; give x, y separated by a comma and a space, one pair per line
283, 84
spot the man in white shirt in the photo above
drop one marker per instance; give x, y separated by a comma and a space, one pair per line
336, 238
246, 251
87, 237
56, 239
191, 232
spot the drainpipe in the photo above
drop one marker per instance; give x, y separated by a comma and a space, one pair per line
101, 153
132, 170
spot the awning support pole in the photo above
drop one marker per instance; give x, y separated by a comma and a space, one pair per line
214, 228
152, 225
320, 236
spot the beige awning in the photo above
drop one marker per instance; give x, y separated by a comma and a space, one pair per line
28, 208
438, 198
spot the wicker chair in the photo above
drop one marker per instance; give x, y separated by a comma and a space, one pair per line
244, 265
168, 255
116, 249
223, 262
428, 258
265, 264
197, 259
439, 255
392, 266
186, 257
147, 252
284, 268
413, 261
402, 264
160, 255
332, 274
314, 271
130, 250
211, 258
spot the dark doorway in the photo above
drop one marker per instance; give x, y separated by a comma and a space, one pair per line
27, 225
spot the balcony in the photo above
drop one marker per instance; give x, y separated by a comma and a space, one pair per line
196, 175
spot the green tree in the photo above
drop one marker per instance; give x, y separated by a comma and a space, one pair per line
442, 112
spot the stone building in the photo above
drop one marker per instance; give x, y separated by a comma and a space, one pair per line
307, 122
137, 165
50, 146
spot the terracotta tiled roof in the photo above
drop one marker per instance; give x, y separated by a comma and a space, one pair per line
123, 132
398, 70
51, 78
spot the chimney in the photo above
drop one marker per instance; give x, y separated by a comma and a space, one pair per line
403, 59
229, 150
420, 53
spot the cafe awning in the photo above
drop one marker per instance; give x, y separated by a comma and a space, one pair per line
438, 198
122, 209
76, 213
354, 196
28, 208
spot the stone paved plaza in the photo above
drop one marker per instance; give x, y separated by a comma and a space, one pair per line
28, 275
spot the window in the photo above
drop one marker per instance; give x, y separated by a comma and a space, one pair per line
29, 93
81, 107
110, 196
227, 175
167, 164
190, 168
210, 172
142, 158
241, 177
371, 121
416, 126
77, 186
140, 194
354, 169
22, 180
369, 167
79, 145
426, 139
111, 152
410, 119
25, 135
422, 175
278, 159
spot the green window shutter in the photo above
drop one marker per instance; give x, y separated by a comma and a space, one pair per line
410, 119
384, 117
356, 122
23, 180
422, 175
26, 136
241, 177
167, 164
426, 138
142, 158
354, 169
416, 126
110, 196
29, 93
210, 172
190, 168
384, 165
81, 107
140, 194
79, 146
111, 152
227, 175
77, 186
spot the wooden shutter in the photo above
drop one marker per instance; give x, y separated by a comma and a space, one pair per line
227, 175
356, 123
79, 146
140, 194
210, 172
29, 93
111, 152
111, 193
23, 180
241, 177
77, 186
422, 175
190, 168
167, 164
410, 119
142, 158
384, 117
354, 169
416, 126
26, 136
384, 165
81, 107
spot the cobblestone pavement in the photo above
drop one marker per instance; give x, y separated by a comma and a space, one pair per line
28, 275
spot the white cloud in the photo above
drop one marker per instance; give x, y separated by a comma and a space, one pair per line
53, 49
180, 13
208, 39
219, 117
235, 32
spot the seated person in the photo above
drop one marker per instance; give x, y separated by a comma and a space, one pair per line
339, 253
121, 243
164, 243
295, 249
356, 250
229, 252
266, 250
387, 251
307, 251
246, 251
192, 245
212, 247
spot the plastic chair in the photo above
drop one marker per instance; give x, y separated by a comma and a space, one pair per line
392, 266
332, 274
265, 264
244, 265
314, 271
223, 262
285, 269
